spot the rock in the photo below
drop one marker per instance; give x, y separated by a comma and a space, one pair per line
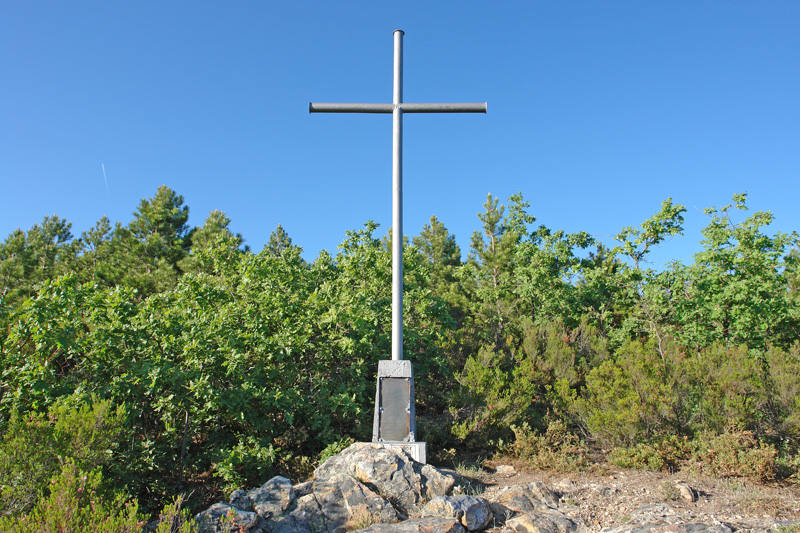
428, 524
216, 518
439, 481
306, 517
505, 470
240, 500
653, 513
272, 498
525, 498
542, 522
671, 528
345, 500
565, 485
335, 504
708, 528
302, 489
688, 494
392, 473
473, 513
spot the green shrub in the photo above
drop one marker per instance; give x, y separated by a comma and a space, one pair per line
535, 375
71, 503
736, 453
36, 445
665, 455
727, 389
556, 449
248, 460
611, 407
789, 467
784, 389
174, 518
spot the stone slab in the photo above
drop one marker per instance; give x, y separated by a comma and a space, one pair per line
395, 369
416, 450
389, 370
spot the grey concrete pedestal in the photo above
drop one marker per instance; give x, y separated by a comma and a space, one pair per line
394, 425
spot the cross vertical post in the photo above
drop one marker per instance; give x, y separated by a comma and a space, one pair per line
394, 422
397, 200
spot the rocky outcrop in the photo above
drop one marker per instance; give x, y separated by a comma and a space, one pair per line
670, 528
222, 517
473, 513
369, 488
542, 522
526, 498
364, 485
270, 499
393, 474
431, 524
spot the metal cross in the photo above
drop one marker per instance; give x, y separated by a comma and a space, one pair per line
397, 108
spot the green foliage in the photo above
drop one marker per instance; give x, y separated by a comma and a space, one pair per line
248, 459
29, 258
160, 225
731, 453
555, 449
279, 241
667, 454
636, 396
738, 290
334, 448
210, 243
235, 366
736, 453
73, 504
175, 518
35, 446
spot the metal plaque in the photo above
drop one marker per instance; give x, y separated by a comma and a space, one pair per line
395, 417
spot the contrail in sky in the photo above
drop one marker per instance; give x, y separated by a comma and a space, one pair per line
105, 178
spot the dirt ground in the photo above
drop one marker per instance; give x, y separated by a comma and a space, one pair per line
607, 497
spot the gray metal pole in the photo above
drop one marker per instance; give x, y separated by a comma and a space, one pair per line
397, 200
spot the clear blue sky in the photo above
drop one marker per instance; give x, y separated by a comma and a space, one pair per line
598, 111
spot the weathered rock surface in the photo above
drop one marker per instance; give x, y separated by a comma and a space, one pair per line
473, 513
303, 489
335, 505
672, 528
270, 499
688, 494
222, 517
517, 499
431, 524
505, 470
542, 522
393, 474
273, 497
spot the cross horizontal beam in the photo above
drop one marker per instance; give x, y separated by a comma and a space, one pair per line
405, 107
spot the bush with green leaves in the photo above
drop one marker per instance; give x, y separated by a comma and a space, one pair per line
71, 502
236, 365
668, 454
83, 431
74, 501
554, 449
736, 453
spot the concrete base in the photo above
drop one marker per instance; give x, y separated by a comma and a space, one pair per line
399, 406
394, 424
415, 449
